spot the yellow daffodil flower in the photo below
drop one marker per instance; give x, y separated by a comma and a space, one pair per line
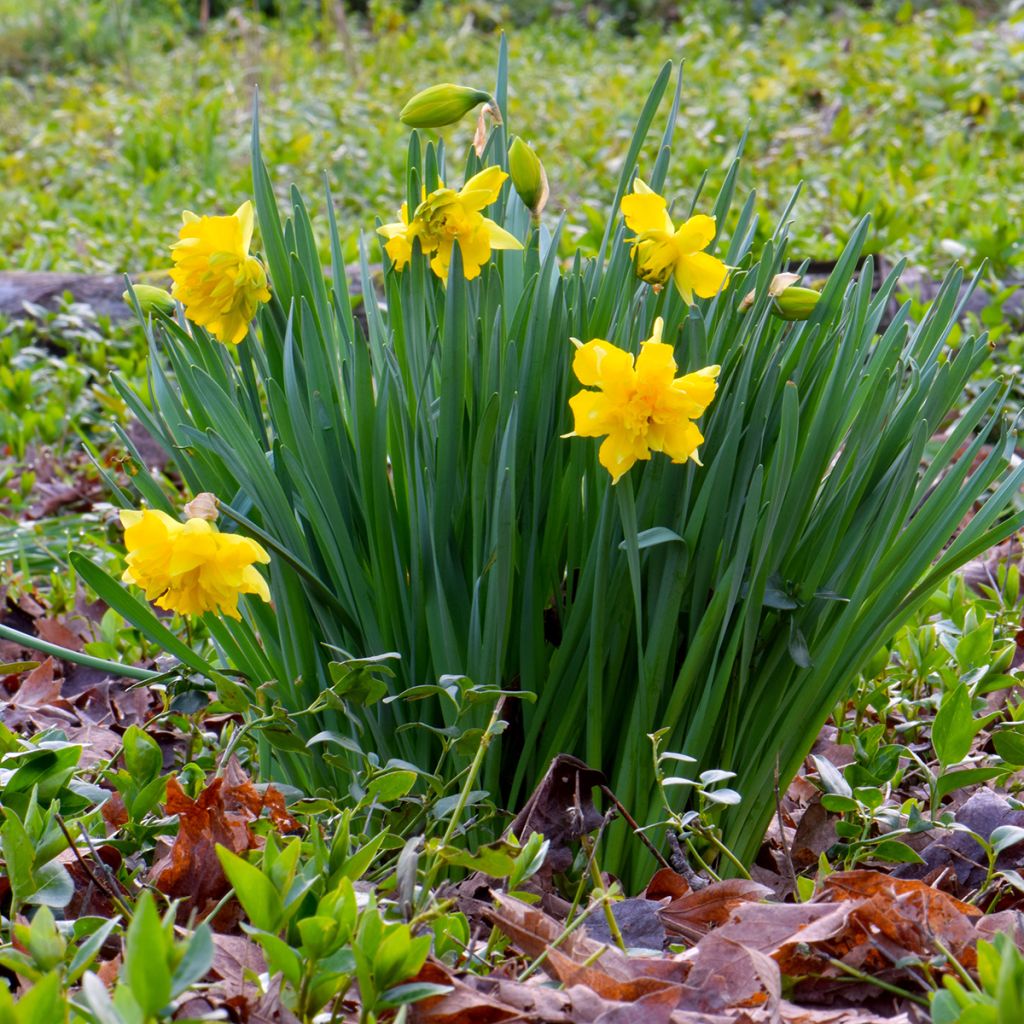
400, 237
642, 408
215, 279
662, 251
190, 567
445, 217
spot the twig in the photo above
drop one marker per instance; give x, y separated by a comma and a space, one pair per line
681, 864
657, 854
113, 896
782, 833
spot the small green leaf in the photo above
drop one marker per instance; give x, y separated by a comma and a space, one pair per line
254, 890
1005, 836
954, 726
655, 535
895, 852
391, 786
1009, 744
145, 958
831, 777
413, 992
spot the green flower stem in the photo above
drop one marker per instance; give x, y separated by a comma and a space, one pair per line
113, 667
590, 848
467, 787
853, 972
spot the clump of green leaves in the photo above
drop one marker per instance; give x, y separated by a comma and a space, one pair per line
416, 493
995, 998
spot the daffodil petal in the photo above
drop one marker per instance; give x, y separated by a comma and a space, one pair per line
618, 453
656, 365
499, 237
702, 273
699, 389
646, 211
680, 440
244, 215
696, 234
593, 414
486, 183
599, 362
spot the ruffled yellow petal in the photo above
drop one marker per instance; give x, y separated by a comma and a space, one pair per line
655, 366
599, 363
593, 414
678, 440
191, 567
500, 238
642, 408
617, 454
699, 389
475, 247
214, 277
399, 250
244, 215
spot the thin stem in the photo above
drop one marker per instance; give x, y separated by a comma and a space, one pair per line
65, 654
631, 822
853, 972
590, 849
467, 787
709, 835
566, 932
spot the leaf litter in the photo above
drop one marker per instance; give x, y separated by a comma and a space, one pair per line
864, 947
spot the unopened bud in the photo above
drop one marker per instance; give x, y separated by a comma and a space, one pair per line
528, 176
788, 302
203, 506
795, 303
150, 299
441, 105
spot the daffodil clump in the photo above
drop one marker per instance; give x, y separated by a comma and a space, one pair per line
215, 279
446, 217
191, 567
407, 469
641, 407
661, 251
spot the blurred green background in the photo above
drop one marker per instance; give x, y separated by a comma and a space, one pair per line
115, 116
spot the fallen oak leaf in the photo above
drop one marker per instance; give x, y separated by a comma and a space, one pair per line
190, 870
657, 1007
561, 809
463, 1005
694, 914
726, 974
903, 917
667, 882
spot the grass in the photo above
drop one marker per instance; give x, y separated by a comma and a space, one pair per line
99, 157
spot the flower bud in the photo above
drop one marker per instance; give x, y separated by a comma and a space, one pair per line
795, 303
528, 176
150, 299
440, 105
788, 302
203, 506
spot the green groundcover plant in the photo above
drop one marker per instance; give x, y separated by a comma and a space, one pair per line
408, 474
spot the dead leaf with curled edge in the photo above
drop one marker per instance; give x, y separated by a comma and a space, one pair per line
694, 914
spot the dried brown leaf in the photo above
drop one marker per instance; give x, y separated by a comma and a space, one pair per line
694, 914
